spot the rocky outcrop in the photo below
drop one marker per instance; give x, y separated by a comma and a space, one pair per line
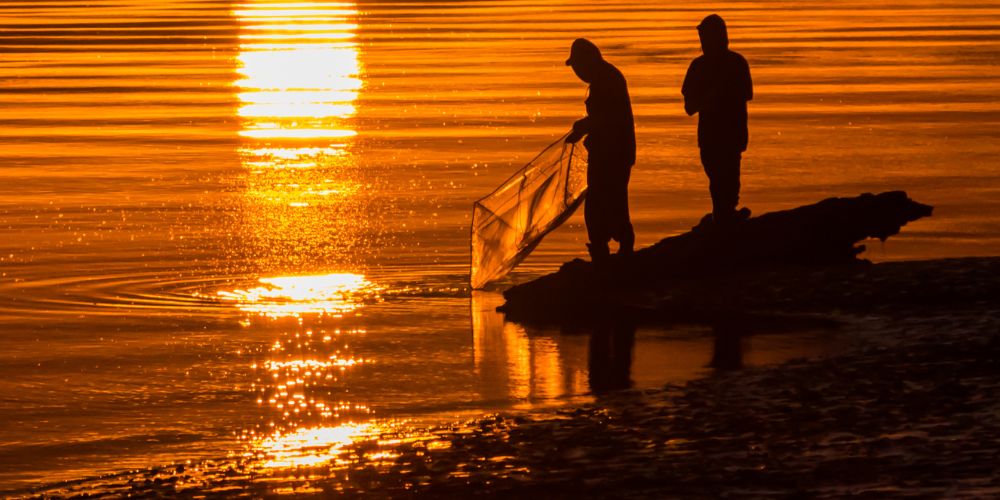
822, 235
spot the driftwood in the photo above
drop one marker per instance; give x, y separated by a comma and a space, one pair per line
817, 236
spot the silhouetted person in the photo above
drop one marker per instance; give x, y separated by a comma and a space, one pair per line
610, 147
717, 87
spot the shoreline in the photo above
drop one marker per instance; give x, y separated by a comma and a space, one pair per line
785, 293
911, 409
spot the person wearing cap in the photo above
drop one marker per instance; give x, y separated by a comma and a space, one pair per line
610, 144
717, 87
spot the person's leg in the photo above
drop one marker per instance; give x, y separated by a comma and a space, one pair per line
710, 161
723, 170
624, 234
626, 243
595, 220
730, 169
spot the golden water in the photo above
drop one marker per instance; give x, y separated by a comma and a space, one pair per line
241, 228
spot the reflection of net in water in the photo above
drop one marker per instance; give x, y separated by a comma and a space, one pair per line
509, 223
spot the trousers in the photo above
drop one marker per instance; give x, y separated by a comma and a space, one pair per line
605, 211
723, 169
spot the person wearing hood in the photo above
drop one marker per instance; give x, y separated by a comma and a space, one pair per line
717, 87
610, 144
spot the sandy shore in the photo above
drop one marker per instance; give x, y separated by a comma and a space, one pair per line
913, 410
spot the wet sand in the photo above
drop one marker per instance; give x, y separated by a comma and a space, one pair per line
912, 410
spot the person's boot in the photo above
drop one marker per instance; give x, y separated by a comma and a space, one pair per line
743, 214
599, 254
704, 224
723, 218
626, 247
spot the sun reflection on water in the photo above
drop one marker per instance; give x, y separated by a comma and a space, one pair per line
293, 296
299, 75
307, 204
300, 70
306, 415
306, 419
305, 447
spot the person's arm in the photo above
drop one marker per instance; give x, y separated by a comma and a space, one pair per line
692, 96
581, 128
690, 105
747, 82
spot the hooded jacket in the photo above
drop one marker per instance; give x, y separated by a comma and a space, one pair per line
717, 87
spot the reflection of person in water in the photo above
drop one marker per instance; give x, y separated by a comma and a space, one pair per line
610, 147
612, 342
609, 357
727, 351
717, 87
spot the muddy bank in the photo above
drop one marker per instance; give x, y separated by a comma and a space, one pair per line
912, 411
790, 291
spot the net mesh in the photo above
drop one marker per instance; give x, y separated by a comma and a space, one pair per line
509, 223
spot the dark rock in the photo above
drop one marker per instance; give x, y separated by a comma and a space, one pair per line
814, 236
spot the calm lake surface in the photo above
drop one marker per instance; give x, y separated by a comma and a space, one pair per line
241, 228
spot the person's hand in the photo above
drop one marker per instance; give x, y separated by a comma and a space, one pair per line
579, 130
574, 136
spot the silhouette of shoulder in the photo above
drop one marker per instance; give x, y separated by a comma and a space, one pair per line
743, 73
612, 77
729, 58
730, 65
694, 73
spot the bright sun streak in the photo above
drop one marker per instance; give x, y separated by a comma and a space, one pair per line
304, 447
297, 82
334, 294
300, 69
